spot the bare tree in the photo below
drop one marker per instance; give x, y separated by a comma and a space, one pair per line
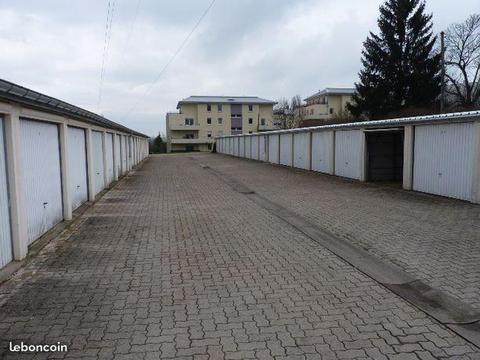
290, 113
462, 59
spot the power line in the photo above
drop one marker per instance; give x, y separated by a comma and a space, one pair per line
106, 46
132, 24
179, 49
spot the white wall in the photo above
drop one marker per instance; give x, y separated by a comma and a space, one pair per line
6, 248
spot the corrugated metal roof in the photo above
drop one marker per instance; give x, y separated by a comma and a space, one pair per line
225, 100
466, 116
332, 91
14, 93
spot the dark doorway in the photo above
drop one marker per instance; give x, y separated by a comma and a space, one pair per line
385, 155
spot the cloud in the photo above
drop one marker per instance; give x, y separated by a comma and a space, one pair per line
269, 48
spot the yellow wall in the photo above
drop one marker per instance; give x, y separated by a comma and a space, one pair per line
200, 114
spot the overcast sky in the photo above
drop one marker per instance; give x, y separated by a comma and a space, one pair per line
267, 48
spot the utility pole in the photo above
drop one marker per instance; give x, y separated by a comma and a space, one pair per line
442, 96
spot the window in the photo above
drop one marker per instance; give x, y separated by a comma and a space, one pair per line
262, 122
209, 107
219, 107
188, 121
250, 132
209, 134
331, 110
220, 121
209, 121
250, 120
250, 107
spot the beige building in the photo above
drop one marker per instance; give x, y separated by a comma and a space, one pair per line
201, 118
327, 104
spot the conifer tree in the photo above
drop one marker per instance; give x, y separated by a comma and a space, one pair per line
400, 69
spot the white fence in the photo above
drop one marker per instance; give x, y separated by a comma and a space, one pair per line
432, 154
50, 164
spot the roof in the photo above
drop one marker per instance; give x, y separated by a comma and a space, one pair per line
333, 91
466, 116
225, 100
14, 93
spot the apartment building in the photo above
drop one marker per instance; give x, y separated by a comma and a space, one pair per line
326, 105
201, 118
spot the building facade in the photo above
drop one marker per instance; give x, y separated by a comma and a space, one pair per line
326, 105
202, 118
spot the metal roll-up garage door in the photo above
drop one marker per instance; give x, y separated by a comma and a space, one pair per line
118, 155
6, 252
109, 152
301, 151
273, 153
41, 176
77, 166
322, 151
97, 157
255, 147
348, 152
443, 160
286, 149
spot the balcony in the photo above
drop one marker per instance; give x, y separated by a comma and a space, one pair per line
192, 141
183, 127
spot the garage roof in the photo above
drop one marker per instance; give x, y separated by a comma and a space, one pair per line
466, 116
14, 93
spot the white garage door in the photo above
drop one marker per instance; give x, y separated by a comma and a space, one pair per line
348, 152
273, 153
263, 148
41, 176
443, 160
6, 254
322, 151
241, 146
77, 166
109, 152
124, 154
255, 147
301, 151
248, 147
97, 156
118, 158
286, 149
236, 146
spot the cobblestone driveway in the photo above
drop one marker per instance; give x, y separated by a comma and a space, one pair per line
435, 239
172, 263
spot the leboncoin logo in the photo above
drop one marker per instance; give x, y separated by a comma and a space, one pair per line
22, 347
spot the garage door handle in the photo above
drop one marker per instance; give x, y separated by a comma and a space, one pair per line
78, 186
45, 204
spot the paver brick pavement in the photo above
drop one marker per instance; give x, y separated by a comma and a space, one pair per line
171, 263
433, 238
